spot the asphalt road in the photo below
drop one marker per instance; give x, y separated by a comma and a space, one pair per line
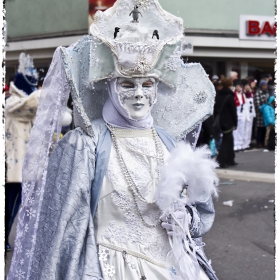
241, 242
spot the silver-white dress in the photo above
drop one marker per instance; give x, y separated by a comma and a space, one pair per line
128, 248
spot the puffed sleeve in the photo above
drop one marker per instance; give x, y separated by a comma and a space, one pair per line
203, 215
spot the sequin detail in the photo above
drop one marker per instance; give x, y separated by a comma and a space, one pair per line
174, 61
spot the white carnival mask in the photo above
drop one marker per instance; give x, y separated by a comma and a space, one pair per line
136, 95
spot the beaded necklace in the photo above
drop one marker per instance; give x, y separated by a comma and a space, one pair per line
130, 182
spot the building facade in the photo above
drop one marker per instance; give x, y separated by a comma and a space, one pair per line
222, 35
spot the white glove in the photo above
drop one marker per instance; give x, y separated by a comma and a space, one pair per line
177, 223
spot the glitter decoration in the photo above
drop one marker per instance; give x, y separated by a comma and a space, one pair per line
174, 61
142, 64
109, 270
200, 97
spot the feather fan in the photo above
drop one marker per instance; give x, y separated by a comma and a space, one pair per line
191, 169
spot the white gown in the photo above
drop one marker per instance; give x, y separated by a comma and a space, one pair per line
249, 122
239, 134
128, 249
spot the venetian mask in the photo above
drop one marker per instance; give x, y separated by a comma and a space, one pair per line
136, 95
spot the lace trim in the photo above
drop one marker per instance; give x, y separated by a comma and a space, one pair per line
133, 133
132, 253
94, 61
144, 173
174, 61
104, 256
195, 221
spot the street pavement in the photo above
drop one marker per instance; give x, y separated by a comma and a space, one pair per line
241, 242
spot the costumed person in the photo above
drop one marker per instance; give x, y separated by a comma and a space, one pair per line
20, 111
253, 84
104, 203
6, 90
233, 76
252, 114
225, 107
242, 116
268, 112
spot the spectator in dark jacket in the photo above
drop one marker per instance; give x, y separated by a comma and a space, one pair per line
260, 98
225, 106
218, 86
207, 132
271, 88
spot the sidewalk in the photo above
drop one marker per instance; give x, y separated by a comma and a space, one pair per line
253, 165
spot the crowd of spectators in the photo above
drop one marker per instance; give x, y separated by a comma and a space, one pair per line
244, 117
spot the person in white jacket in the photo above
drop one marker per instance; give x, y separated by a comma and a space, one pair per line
243, 116
252, 114
20, 111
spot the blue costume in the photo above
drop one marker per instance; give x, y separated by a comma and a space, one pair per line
268, 112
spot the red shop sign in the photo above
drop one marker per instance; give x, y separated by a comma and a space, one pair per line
255, 27
258, 28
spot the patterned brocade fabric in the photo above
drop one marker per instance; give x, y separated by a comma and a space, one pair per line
65, 245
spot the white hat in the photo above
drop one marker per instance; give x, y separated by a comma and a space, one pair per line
119, 46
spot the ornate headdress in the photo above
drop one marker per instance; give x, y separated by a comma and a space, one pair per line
27, 76
120, 46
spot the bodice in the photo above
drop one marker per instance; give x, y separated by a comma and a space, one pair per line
117, 219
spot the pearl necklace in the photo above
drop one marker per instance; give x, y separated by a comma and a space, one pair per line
131, 184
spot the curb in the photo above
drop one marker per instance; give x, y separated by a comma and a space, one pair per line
246, 176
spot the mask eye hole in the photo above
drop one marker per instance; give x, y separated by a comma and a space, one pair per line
147, 84
127, 84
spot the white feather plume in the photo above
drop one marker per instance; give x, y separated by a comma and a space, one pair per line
23, 58
26, 65
191, 168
